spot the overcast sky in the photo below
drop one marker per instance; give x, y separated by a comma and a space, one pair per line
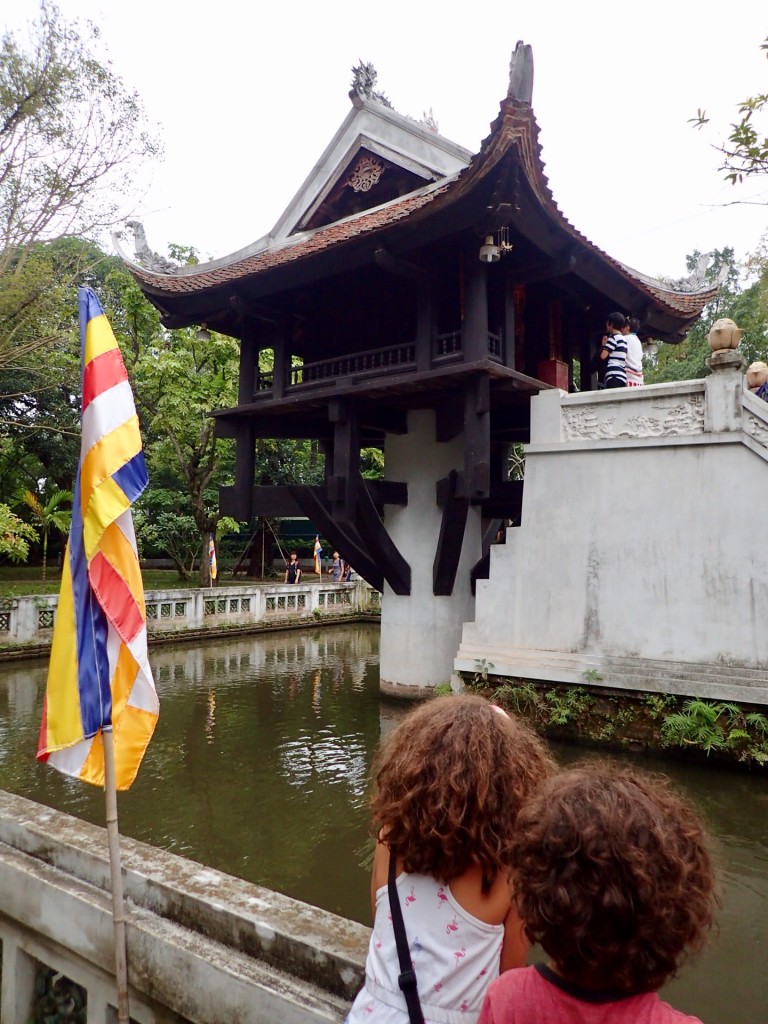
247, 95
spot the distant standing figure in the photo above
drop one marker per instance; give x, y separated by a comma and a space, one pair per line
614, 351
293, 569
336, 567
634, 354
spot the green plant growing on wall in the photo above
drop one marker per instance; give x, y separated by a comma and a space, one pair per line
591, 675
710, 725
566, 705
482, 668
521, 696
660, 704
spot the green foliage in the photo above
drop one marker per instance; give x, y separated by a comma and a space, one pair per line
718, 726
442, 690
48, 515
591, 675
482, 668
523, 697
565, 706
660, 704
15, 535
746, 148
71, 135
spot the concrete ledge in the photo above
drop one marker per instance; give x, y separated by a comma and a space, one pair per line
689, 679
206, 945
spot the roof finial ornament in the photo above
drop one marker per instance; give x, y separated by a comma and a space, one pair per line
144, 255
521, 74
701, 276
364, 78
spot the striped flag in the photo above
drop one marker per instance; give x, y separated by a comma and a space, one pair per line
318, 552
213, 568
99, 676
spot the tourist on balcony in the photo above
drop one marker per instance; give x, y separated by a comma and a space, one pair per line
634, 353
614, 351
337, 565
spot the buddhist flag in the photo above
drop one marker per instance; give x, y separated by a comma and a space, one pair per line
318, 552
99, 676
212, 558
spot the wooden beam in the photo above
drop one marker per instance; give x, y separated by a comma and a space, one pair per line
452, 526
392, 264
341, 534
505, 501
379, 545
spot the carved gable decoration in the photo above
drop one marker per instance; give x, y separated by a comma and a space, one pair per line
365, 174
368, 179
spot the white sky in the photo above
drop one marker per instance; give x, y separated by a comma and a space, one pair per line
247, 95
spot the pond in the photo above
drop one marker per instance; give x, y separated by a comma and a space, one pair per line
259, 768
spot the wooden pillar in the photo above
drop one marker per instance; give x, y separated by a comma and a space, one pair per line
342, 482
510, 346
474, 332
281, 369
249, 360
477, 439
424, 327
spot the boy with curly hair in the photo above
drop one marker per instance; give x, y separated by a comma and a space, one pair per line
612, 874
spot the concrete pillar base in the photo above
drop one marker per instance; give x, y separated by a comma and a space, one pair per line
420, 633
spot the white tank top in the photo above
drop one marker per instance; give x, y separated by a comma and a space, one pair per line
455, 957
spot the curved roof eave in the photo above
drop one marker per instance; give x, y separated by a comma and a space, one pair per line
515, 127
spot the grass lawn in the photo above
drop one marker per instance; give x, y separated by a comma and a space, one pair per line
22, 580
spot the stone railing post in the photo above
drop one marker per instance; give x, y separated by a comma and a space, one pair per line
723, 388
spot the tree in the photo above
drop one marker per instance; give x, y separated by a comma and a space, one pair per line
71, 137
48, 516
15, 535
745, 151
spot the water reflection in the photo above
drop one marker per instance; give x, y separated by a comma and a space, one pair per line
259, 768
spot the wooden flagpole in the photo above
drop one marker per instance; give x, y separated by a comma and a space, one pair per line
118, 906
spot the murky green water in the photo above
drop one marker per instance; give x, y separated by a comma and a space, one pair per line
259, 768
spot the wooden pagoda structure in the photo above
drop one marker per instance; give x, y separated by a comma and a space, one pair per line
409, 276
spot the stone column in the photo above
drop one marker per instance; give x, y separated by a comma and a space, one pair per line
420, 633
724, 388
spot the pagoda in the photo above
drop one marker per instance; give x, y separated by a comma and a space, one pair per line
413, 296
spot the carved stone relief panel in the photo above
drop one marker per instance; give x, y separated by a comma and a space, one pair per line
757, 430
681, 416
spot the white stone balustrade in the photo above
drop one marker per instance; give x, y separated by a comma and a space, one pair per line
30, 620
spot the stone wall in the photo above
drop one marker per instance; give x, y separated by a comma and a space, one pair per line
640, 560
202, 946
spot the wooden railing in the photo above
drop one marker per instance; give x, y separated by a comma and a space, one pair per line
375, 361
447, 347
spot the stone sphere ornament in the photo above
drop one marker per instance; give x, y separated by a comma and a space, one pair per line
724, 334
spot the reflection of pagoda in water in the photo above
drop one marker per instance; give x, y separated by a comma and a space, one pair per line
413, 296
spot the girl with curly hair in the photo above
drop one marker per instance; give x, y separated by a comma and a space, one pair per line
449, 782
612, 875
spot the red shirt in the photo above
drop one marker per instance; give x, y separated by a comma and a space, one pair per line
535, 995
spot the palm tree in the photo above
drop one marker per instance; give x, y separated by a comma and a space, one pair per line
49, 516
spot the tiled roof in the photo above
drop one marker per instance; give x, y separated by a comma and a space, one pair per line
516, 127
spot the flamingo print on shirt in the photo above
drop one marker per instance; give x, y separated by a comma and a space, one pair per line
459, 954
442, 899
411, 898
452, 926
